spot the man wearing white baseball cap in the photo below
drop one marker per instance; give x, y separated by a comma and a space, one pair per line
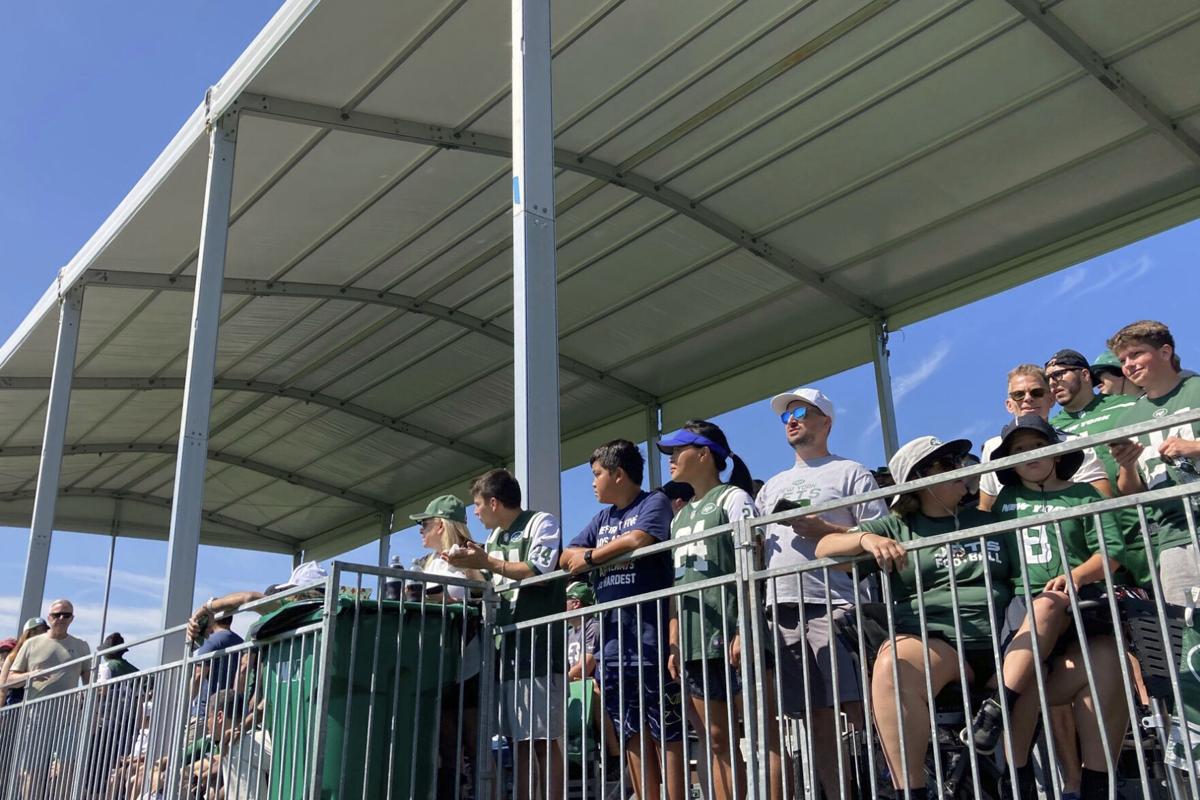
797, 607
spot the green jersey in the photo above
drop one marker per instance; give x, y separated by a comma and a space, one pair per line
1100, 415
707, 623
966, 559
534, 539
1168, 520
1043, 559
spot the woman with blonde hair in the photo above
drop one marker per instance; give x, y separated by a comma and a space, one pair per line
443, 526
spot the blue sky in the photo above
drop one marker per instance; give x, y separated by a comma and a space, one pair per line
93, 93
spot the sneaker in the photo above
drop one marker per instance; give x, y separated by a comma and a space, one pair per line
988, 726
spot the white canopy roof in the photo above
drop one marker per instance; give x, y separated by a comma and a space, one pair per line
742, 188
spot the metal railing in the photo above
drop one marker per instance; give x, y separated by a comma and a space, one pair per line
379, 684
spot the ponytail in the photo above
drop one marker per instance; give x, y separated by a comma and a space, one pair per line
740, 476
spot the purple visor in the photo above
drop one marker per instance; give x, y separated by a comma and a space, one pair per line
682, 437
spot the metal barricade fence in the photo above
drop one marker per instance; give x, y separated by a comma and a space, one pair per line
809, 721
385, 683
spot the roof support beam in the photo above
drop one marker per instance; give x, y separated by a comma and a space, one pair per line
1074, 46
881, 357
258, 387
213, 455
37, 560
322, 291
451, 139
187, 499
536, 413
164, 502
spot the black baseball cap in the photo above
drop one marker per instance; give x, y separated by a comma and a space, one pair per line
1067, 358
1068, 463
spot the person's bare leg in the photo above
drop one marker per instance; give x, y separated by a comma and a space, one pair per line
1112, 706
675, 778
526, 788
1051, 615
827, 744
644, 776
550, 762
1066, 745
913, 711
774, 713
711, 721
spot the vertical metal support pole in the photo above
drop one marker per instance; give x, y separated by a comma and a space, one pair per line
112, 555
653, 434
883, 386
535, 275
192, 460
37, 560
385, 537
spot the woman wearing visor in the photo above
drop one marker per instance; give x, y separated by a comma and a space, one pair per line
958, 570
704, 644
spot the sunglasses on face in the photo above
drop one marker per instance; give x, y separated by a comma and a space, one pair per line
1057, 377
1037, 393
797, 414
61, 615
946, 463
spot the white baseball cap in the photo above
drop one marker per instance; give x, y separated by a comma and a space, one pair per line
308, 572
814, 397
905, 460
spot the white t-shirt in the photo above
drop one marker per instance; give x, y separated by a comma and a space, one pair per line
814, 482
43, 653
435, 565
1089, 471
246, 766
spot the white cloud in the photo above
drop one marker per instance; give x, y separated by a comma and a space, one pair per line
1070, 282
131, 621
903, 385
922, 372
1104, 276
149, 586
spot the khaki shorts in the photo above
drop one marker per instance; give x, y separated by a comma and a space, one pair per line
525, 704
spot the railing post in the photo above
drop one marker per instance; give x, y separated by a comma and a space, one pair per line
192, 459
750, 632
41, 529
653, 433
485, 766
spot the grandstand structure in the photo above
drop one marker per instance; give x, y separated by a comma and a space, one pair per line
390, 250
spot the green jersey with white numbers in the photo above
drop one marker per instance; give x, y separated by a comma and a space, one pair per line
1168, 520
1102, 414
534, 539
1043, 558
708, 619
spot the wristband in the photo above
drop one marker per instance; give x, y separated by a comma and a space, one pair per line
587, 556
861, 536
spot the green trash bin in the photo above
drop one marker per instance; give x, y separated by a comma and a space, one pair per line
369, 733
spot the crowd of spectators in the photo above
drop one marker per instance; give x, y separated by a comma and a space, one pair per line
659, 669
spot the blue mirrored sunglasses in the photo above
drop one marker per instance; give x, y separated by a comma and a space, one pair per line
797, 414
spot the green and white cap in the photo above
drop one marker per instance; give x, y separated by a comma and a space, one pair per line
445, 507
582, 592
1105, 361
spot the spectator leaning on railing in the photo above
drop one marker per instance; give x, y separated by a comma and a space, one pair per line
523, 544
13, 692
816, 476
931, 511
1031, 488
639, 696
1161, 458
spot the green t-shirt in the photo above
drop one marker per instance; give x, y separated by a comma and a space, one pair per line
1042, 556
1168, 521
934, 591
1102, 414
534, 539
708, 622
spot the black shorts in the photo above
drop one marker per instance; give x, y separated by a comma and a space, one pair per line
714, 685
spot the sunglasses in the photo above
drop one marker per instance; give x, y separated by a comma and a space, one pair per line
61, 615
944, 463
1037, 393
797, 414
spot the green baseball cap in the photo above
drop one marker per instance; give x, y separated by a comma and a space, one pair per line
445, 507
581, 592
1106, 360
